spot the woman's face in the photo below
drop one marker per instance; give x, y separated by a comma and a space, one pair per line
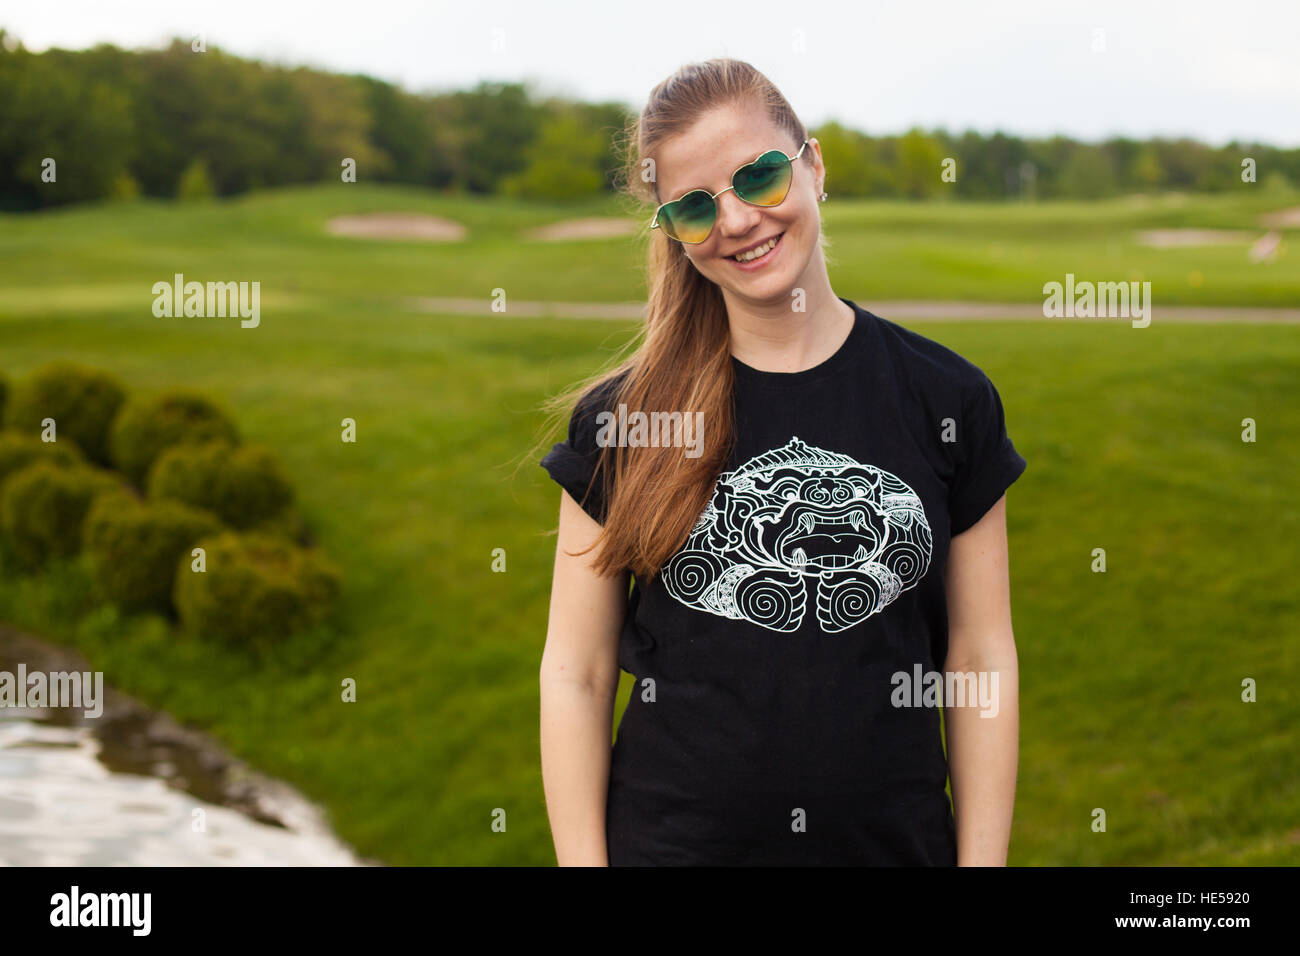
703, 157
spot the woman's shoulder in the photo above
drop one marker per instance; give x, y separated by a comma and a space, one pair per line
594, 405
596, 399
922, 358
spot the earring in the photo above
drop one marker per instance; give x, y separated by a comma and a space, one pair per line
823, 197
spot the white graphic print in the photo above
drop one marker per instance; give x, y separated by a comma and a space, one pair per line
800, 521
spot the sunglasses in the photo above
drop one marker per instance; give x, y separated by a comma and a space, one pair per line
763, 182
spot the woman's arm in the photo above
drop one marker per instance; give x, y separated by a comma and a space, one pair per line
982, 751
579, 679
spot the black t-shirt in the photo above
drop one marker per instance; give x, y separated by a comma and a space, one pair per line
760, 729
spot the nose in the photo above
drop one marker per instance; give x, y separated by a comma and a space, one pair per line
736, 217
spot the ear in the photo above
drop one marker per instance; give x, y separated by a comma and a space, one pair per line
819, 168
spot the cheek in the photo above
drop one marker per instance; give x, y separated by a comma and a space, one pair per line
803, 226
804, 218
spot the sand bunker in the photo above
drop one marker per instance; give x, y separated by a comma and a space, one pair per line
397, 225
1282, 219
1176, 238
597, 228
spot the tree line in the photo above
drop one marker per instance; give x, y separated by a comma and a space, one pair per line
113, 123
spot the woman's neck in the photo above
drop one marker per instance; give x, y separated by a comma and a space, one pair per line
778, 338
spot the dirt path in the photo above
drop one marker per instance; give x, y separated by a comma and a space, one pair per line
916, 311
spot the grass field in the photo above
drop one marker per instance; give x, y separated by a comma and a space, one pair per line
69, 261
1130, 680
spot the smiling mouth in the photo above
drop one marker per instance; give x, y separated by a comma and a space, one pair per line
749, 255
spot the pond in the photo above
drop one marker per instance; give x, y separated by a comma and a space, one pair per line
134, 788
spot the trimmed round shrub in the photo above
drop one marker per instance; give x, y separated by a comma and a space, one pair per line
243, 486
288, 524
147, 427
43, 508
134, 548
257, 589
17, 451
82, 401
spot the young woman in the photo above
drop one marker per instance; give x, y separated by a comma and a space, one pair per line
823, 535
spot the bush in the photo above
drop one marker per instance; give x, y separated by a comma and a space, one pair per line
195, 182
134, 548
145, 428
125, 187
257, 588
82, 401
244, 487
43, 509
17, 451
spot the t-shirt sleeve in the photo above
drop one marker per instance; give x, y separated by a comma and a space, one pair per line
573, 462
987, 462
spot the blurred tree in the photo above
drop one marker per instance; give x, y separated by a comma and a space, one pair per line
49, 113
917, 167
116, 121
1089, 173
564, 162
848, 157
1222, 167
195, 182
494, 123
1147, 171
1050, 157
612, 121
1183, 161
333, 123
398, 127
991, 167
124, 187
1121, 153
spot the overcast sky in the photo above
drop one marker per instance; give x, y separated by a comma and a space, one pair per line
1212, 70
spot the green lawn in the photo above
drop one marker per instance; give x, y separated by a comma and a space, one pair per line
1130, 680
69, 261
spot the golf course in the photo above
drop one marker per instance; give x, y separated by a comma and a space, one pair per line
442, 525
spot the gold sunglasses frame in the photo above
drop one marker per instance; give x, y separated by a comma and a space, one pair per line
654, 224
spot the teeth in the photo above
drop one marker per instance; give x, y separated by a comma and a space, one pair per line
860, 554
806, 523
856, 520
755, 253
800, 557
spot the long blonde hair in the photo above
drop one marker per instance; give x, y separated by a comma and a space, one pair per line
654, 497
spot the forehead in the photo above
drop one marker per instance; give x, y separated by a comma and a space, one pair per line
706, 153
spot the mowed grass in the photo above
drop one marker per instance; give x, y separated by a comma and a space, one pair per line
70, 260
1130, 680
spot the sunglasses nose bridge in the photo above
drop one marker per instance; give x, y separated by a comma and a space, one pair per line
734, 216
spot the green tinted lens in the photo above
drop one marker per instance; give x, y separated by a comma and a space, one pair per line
765, 181
689, 219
